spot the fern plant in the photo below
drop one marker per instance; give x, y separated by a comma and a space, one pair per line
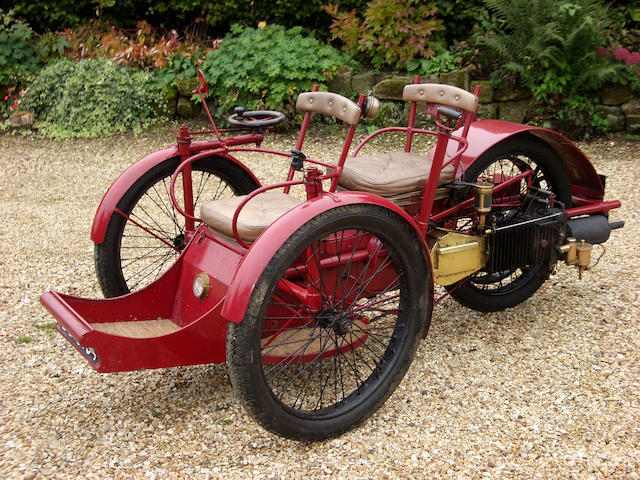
551, 46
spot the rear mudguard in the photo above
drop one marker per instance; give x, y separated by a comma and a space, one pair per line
485, 134
268, 243
132, 174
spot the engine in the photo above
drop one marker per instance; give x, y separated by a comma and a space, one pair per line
535, 233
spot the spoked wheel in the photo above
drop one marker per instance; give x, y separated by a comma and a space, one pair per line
332, 324
146, 236
490, 292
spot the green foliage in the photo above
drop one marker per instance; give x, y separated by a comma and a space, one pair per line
459, 18
179, 67
443, 61
551, 46
390, 33
266, 67
169, 14
91, 98
578, 117
18, 57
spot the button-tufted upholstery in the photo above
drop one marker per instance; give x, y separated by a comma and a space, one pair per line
390, 174
329, 104
440, 94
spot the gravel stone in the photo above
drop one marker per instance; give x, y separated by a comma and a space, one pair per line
549, 389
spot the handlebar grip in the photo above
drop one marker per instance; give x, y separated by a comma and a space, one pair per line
450, 113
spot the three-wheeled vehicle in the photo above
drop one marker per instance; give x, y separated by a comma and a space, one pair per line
317, 304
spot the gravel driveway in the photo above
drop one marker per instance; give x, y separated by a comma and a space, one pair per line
550, 389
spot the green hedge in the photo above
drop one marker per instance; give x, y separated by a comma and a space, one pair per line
46, 15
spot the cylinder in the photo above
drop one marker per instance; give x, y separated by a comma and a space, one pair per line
592, 229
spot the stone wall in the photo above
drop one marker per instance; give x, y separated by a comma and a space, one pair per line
617, 107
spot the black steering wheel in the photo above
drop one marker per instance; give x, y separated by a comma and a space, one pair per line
255, 119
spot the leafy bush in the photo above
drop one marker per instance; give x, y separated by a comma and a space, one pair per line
266, 67
91, 98
443, 61
144, 48
18, 57
391, 32
168, 14
552, 48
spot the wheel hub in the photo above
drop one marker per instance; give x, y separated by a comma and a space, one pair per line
337, 321
178, 241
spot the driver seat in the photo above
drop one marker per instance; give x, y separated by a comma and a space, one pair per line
266, 207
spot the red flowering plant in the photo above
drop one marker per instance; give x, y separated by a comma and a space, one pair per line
630, 69
10, 101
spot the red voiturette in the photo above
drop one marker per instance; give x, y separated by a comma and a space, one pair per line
317, 305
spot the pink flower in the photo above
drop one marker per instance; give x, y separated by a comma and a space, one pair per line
15, 105
9, 90
633, 58
6, 97
21, 92
621, 53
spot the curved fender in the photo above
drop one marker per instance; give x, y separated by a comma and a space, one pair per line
484, 134
131, 175
268, 243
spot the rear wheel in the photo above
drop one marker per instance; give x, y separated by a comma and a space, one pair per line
139, 248
490, 292
332, 324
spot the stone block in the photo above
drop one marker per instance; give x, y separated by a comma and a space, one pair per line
486, 93
615, 94
391, 88
363, 83
633, 123
632, 107
514, 111
510, 93
341, 82
186, 86
457, 78
487, 110
171, 93
21, 119
186, 108
614, 117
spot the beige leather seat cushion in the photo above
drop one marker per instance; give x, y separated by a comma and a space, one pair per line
391, 173
260, 212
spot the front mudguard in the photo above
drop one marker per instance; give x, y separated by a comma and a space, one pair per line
132, 174
267, 244
485, 134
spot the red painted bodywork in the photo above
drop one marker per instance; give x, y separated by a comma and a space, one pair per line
131, 175
267, 244
201, 334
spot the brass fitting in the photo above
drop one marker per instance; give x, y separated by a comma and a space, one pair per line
483, 198
583, 256
570, 251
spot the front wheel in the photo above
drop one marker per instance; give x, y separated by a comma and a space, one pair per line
333, 323
490, 292
143, 241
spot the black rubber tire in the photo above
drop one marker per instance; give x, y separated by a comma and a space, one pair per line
397, 334
218, 177
481, 293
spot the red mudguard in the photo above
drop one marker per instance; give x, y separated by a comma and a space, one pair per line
484, 134
131, 175
268, 243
